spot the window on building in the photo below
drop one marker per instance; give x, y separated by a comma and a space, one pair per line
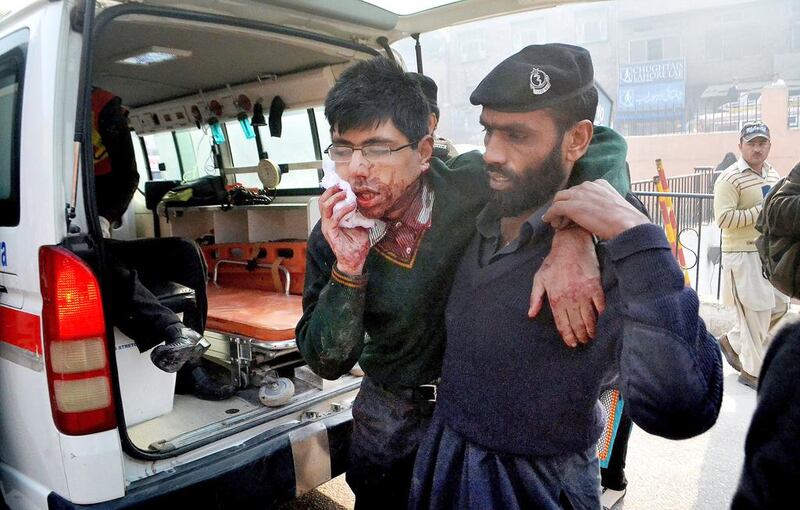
591, 26
530, 32
12, 66
472, 47
714, 44
651, 50
730, 45
671, 47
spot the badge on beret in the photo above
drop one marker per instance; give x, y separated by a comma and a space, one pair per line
539, 81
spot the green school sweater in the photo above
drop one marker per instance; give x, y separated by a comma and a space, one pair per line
391, 319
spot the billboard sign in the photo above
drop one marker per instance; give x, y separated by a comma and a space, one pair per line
652, 86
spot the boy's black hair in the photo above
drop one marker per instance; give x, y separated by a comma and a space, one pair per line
568, 113
374, 91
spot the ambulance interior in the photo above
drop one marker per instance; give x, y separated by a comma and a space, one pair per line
201, 98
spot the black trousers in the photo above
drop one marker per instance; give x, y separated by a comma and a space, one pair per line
135, 267
387, 430
613, 476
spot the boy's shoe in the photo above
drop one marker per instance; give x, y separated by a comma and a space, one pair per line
610, 497
729, 353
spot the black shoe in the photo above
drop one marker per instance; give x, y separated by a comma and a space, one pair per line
184, 344
200, 383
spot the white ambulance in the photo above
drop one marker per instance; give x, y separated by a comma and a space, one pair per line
86, 421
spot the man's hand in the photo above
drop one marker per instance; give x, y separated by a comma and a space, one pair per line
570, 276
595, 206
350, 245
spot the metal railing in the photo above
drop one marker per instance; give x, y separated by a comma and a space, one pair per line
704, 118
701, 182
695, 233
248, 263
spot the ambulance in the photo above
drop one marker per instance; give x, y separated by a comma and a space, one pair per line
230, 89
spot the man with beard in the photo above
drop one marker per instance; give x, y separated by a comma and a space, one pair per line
377, 296
517, 416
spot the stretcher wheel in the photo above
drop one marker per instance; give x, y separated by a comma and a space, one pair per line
276, 392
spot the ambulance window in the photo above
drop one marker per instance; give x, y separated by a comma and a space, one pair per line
12, 63
244, 153
323, 128
194, 148
163, 158
295, 145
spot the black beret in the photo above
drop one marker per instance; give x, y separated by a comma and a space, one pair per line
429, 89
539, 76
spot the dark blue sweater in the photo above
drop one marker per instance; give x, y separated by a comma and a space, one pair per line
510, 384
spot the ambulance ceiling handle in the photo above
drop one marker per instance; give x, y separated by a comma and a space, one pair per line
418, 51
384, 42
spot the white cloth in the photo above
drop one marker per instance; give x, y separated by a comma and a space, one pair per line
741, 271
759, 306
330, 179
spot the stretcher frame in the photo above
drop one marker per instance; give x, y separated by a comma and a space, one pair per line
244, 355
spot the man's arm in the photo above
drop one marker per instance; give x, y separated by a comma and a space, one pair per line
330, 335
725, 212
670, 367
570, 275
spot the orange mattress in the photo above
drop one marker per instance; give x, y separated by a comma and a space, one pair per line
257, 314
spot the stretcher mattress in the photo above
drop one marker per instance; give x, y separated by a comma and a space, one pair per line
258, 314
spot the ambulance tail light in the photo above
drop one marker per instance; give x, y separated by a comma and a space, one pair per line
75, 344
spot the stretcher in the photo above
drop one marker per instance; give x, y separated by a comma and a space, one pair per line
254, 303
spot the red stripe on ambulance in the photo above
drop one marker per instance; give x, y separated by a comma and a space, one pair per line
21, 329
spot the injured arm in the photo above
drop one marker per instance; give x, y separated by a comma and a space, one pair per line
570, 275
330, 335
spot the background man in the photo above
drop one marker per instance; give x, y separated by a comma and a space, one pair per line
377, 296
518, 417
738, 196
